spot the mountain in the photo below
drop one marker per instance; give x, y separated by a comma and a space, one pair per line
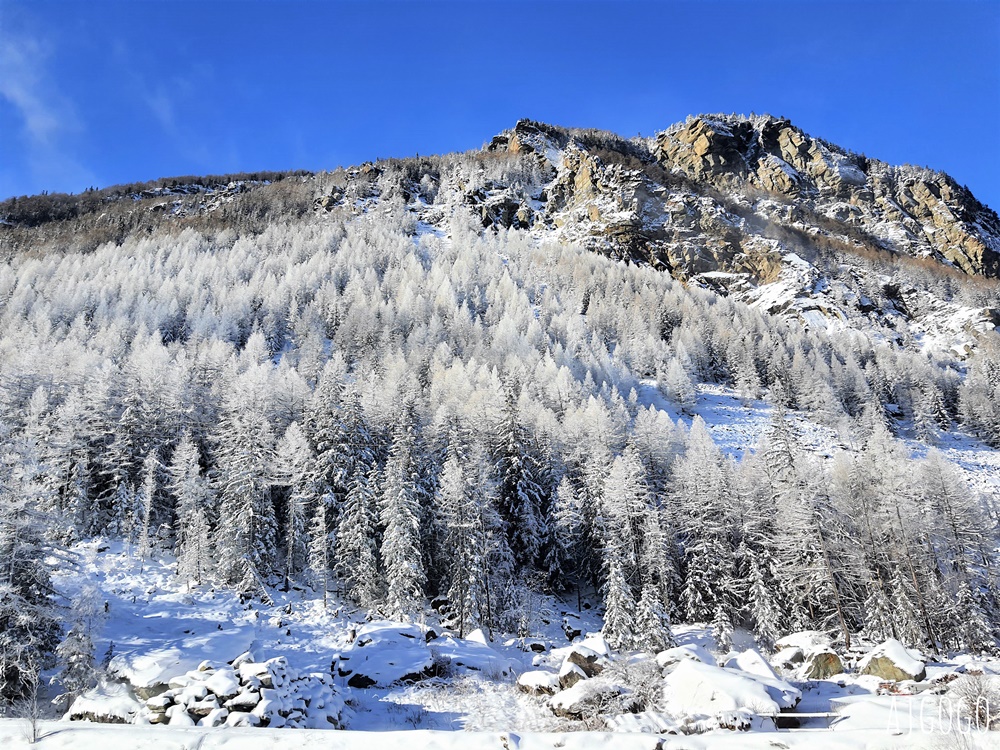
749, 207
720, 392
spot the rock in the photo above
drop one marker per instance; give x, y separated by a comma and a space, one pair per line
673, 656
223, 683
538, 682
570, 674
789, 658
215, 718
245, 701
588, 660
245, 658
589, 697
822, 664
203, 707
361, 681
241, 719
179, 717
891, 660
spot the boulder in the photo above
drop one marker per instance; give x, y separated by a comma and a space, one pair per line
588, 660
590, 697
789, 658
570, 674
893, 661
538, 682
822, 664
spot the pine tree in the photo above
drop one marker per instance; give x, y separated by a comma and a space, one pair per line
401, 555
564, 555
147, 495
357, 543
319, 548
465, 544
520, 485
29, 629
619, 603
192, 497
652, 625
246, 537
296, 460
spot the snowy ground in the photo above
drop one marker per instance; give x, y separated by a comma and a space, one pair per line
82, 736
160, 630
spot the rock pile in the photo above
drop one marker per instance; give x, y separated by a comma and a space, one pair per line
247, 693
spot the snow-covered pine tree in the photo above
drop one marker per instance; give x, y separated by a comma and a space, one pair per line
192, 500
626, 502
652, 624
700, 498
147, 500
400, 514
78, 668
465, 544
619, 602
29, 628
296, 464
319, 548
520, 484
357, 541
563, 550
246, 537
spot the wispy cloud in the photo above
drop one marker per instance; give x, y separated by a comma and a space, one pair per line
46, 115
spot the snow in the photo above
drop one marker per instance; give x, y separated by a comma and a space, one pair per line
469, 653
386, 652
695, 688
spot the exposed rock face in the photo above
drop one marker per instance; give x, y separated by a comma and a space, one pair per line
823, 664
748, 205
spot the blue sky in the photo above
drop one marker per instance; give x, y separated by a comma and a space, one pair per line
99, 93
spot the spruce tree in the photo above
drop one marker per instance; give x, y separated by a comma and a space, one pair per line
400, 516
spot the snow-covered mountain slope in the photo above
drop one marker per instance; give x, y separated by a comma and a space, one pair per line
757, 209
428, 425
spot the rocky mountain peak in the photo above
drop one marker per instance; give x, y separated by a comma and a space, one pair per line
755, 207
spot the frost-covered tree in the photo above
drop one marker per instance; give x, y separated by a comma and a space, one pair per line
619, 603
400, 516
246, 537
296, 465
319, 548
193, 502
357, 539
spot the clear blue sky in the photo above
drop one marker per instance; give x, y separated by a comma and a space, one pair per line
99, 93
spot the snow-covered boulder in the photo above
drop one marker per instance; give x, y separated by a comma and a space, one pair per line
590, 661
215, 718
752, 662
891, 660
463, 653
692, 652
807, 640
538, 682
223, 683
113, 703
702, 689
790, 657
592, 698
570, 674
383, 653
821, 665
